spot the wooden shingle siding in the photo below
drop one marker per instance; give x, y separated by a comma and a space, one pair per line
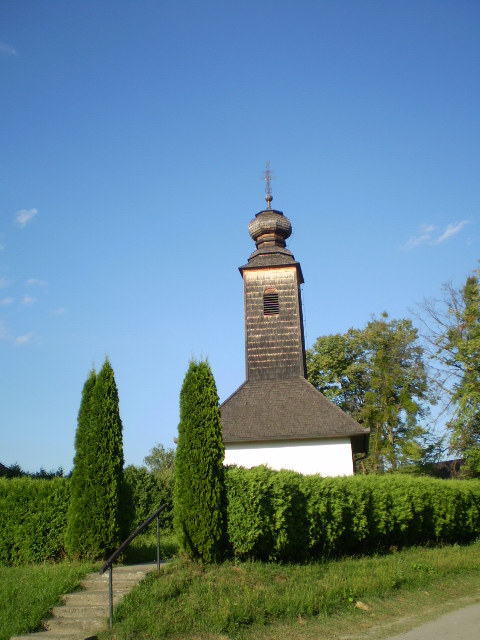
274, 343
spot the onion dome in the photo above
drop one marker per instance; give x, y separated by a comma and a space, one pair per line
270, 228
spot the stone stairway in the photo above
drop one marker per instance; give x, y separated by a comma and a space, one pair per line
86, 613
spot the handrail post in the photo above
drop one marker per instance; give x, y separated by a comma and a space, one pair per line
158, 543
125, 544
110, 593
108, 564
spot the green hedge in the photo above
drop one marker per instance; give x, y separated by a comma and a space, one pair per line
271, 515
33, 519
282, 515
33, 513
146, 492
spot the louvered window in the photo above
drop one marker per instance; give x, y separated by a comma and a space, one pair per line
270, 302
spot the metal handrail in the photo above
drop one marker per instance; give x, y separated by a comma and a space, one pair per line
108, 564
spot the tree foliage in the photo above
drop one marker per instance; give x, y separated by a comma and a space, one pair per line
337, 366
146, 492
79, 524
161, 463
452, 333
199, 473
33, 520
377, 375
96, 517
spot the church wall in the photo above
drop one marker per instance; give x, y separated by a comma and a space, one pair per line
328, 457
274, 343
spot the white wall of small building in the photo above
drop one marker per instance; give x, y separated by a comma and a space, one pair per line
328, 457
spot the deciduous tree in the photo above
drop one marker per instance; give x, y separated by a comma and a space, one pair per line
161, 462
396, 399
378, 376
451, 328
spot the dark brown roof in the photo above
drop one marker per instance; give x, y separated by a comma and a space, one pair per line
290, 408
268, 257
448, 468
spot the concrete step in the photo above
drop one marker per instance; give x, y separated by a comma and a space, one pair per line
127, 572
118, 585
83, 610
81, 598
75, 624
117, 575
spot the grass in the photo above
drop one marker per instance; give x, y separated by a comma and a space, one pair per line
254, 600
144, 548
263, 601
28, 593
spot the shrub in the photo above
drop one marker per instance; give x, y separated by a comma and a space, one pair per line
271, 515
146, 492
33, 518
286, 516
199, 484
33, 514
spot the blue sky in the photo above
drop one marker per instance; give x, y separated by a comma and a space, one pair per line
133, 137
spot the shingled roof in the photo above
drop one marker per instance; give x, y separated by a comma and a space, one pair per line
285, 409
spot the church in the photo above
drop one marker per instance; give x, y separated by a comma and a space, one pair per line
276, 417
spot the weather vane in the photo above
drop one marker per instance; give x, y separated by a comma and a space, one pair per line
268, 176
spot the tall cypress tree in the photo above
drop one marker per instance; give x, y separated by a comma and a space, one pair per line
107, 452
96, 517
77, 536
199, 479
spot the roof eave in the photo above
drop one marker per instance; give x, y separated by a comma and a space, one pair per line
275, 438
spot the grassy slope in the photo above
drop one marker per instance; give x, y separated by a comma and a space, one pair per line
252, 600
28, 593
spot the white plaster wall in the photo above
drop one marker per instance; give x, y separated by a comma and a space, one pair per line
329, 457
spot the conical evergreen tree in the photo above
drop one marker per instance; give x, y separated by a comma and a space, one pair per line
106, 447
199, 479
78, 526
95, 523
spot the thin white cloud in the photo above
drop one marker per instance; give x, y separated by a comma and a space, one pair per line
7, 50
28, 300
429, 234
423, 236
4, 332
36, 283
21, 340
451, 230
4, 282
23, 217
6, 301
416, 241
59, 312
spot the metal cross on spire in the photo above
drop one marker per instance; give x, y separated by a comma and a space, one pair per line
268, 176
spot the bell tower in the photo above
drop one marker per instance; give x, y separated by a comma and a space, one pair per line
274, 336
276, 417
